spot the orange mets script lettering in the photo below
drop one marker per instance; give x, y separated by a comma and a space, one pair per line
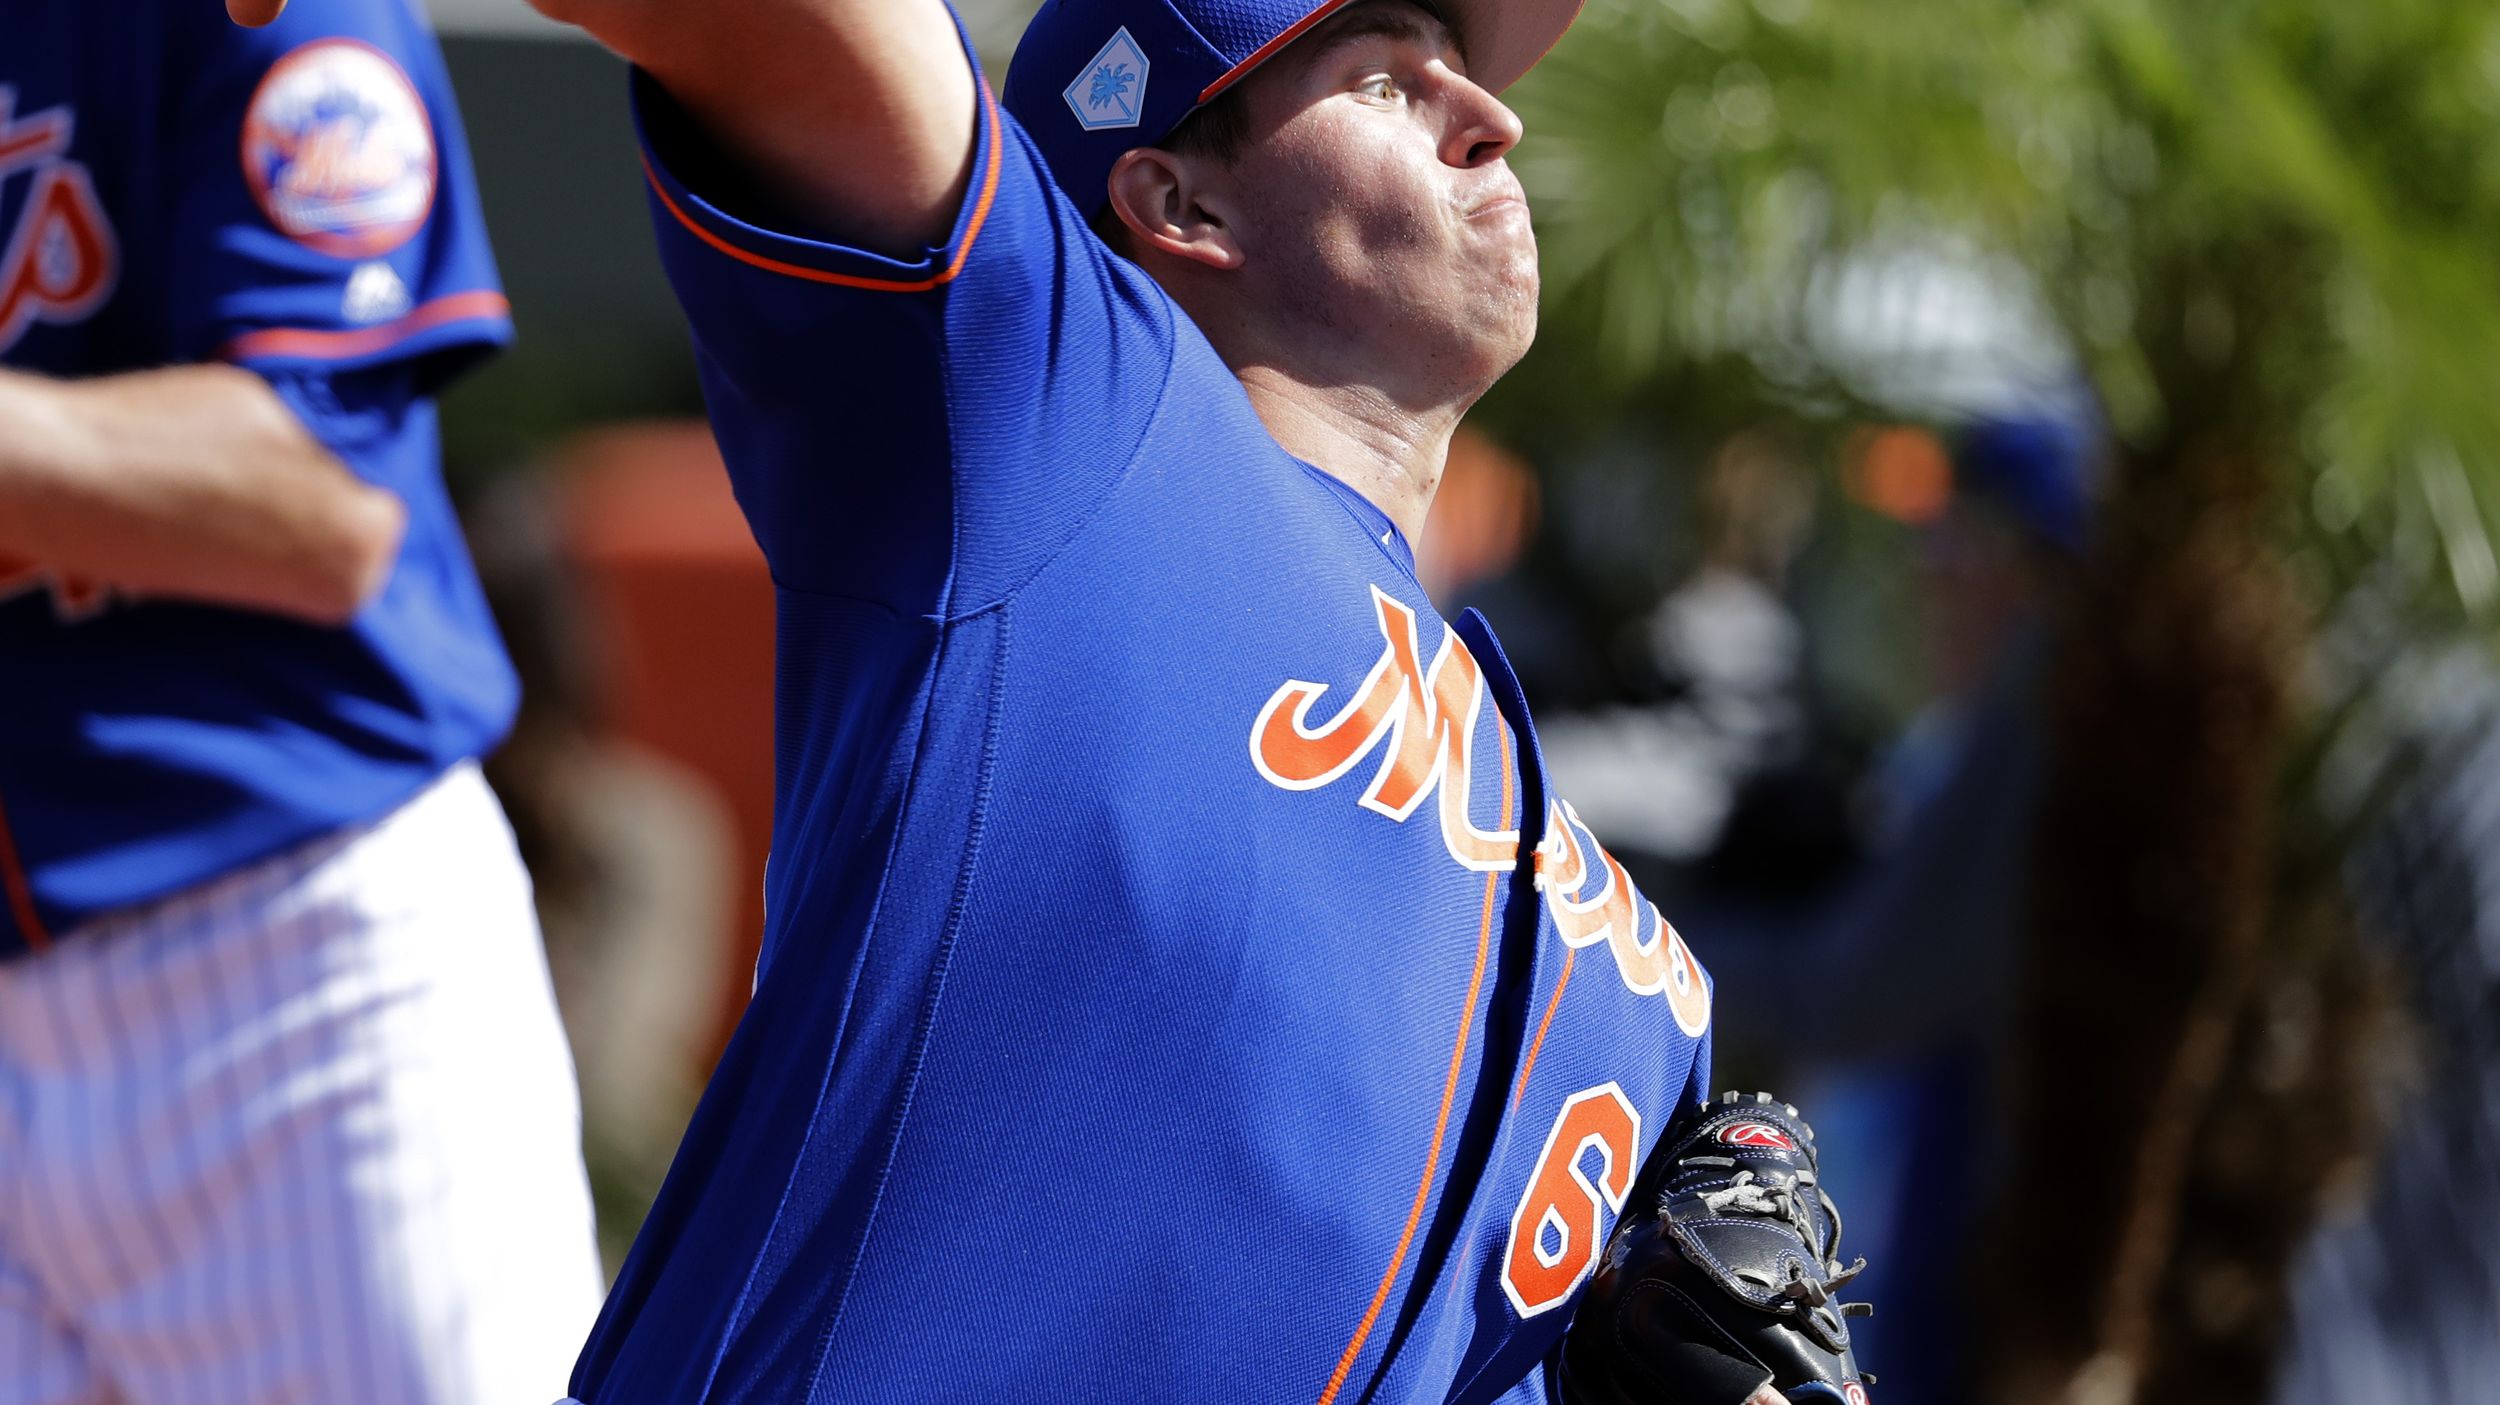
1428, 720
1423, 722
74, 598
1661, 965
58, 265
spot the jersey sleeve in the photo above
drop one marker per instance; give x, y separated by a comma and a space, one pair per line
325, 216
922, 432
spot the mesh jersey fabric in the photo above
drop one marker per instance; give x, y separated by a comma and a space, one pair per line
1238, 28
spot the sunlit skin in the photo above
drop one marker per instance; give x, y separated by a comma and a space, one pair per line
1366, 263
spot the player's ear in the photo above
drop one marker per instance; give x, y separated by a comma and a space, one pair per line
1168, 207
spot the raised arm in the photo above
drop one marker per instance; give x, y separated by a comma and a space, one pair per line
854, 115
195, 482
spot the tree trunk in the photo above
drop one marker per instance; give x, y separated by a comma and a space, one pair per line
2153, 924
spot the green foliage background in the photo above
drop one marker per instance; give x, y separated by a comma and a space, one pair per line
2274, 219
2269, 232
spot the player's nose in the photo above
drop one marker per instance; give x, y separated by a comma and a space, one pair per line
1483, 129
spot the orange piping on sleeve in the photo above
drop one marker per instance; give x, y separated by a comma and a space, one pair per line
972, 229
1440, 1128
364, 341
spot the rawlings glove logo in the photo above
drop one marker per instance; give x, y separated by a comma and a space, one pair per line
1756, 1134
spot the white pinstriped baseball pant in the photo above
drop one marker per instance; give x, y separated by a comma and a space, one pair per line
305, 1135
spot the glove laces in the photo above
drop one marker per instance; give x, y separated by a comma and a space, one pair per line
1746, 1194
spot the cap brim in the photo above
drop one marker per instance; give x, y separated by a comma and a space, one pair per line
1503, 38
1506, 38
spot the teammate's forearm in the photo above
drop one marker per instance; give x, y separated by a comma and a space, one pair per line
194, 482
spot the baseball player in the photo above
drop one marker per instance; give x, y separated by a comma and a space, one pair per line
1179, 982
285, 1113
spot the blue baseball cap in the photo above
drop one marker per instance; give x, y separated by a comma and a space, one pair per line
1093, 78
2037, 468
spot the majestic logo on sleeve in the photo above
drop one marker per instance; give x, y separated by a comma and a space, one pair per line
339, 150
1421, 722
1111, 92
59, 260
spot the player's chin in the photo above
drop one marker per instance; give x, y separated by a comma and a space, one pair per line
1508, 298
1503, 329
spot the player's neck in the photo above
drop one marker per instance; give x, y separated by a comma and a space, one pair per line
1391, 454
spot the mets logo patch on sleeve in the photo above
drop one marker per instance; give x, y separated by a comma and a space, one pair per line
339, 150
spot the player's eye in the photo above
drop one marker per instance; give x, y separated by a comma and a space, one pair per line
1380, 85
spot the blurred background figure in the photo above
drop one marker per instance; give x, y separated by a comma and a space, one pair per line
639, 773
1896, 1002
1862, 913
1724, 651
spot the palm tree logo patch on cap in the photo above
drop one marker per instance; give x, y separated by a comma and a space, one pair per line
1111, 91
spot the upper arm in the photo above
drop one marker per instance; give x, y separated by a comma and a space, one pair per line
917, 429
855, 116
199, 482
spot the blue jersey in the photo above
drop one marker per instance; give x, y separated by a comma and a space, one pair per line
297, 200
1179, 982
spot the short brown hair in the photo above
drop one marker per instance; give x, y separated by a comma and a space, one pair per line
1216, 131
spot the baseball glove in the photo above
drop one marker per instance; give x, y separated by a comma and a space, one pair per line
1720, 1277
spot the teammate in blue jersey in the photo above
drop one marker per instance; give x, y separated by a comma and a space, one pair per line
285, 1114
1180, 983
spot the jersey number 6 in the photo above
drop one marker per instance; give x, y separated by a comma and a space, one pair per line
1561, 1221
